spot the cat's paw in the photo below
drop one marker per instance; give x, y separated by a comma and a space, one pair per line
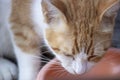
8, 70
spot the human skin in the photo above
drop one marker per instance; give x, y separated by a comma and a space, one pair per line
109, 67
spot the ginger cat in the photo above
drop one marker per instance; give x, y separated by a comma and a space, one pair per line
78, 32
20, 28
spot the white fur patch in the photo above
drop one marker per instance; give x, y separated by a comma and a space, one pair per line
37, 17
8, 70
5, 34
29, 65
5, 10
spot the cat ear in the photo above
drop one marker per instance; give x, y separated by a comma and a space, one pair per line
108, 8
54, 11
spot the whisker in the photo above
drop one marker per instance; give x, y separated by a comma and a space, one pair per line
37, 57
101, 43
43, 46
47, 51
46, 61
45, 57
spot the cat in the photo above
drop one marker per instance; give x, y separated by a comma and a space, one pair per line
79, 32
74, 30
21, 38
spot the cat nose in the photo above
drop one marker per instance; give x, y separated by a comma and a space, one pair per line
80, 71
79, 68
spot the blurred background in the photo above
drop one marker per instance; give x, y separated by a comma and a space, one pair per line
116, 35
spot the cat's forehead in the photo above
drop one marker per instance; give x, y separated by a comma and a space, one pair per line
80, 10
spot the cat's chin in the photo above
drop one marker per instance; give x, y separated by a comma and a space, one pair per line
75, 71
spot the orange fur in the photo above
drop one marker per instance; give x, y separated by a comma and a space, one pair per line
78, 24
23, 28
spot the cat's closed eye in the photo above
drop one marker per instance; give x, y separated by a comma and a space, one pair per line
94, 58
57, 49
70, 56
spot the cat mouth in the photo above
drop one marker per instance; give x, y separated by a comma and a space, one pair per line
86, 68
78, 70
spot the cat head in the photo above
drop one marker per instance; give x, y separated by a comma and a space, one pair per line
79, 31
